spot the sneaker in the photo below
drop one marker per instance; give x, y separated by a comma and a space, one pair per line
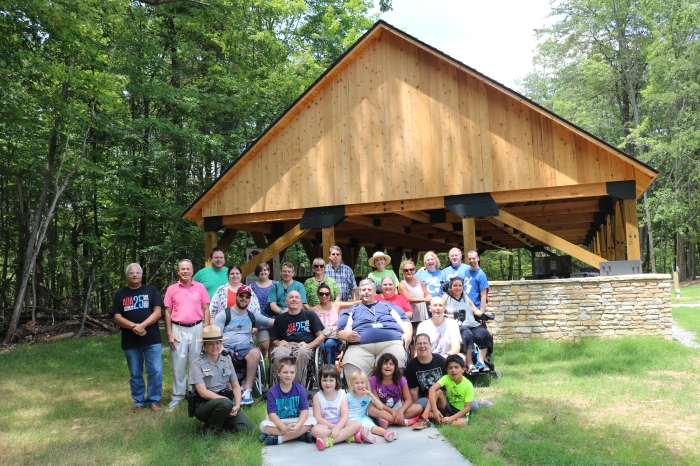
485, 404
421, 424
306, 437
366, 435
173, 404
485, 368
390, 435
479, 366
263, 437
383, 423
247, 397
323, 443
271, 440
409, 422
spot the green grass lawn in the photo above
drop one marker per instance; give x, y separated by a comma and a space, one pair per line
623, 401
689, 294
688, 318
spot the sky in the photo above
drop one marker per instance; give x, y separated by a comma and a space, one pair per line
495, 37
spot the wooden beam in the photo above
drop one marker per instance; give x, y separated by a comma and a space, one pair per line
210, 239
610, 239
468, 234
328, 240
418, 216
395, 206
526, 242
262, 217
631, 225
555, 208
550, 239
619, 234
226, 239
551, 193
281, 243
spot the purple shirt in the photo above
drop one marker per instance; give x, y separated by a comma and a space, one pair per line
287, 405
389, 395
186, 302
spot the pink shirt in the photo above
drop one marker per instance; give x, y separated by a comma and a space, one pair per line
328, 320
186, 302
396, 300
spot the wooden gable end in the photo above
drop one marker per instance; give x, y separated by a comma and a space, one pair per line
398, 121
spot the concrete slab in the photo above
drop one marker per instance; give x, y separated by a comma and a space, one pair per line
426, 446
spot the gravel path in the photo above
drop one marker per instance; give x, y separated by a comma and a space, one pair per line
684, 337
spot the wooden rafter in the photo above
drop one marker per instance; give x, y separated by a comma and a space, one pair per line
273, 249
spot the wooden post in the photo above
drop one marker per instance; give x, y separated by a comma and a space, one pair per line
327, 240
281, 243
210, 239
227, 238
676, 283
469, 235
629, 216
609, 238
619, 234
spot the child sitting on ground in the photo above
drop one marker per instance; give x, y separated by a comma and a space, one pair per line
391, 388
331, 412
453, 406
287, 409
359, 399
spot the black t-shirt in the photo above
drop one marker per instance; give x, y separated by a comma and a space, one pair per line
424, 376
298, 328
136, 306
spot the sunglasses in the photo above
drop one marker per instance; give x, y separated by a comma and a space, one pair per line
409, 270
324, 294
319, 266
244, 296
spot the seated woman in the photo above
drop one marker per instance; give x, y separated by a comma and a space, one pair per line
211, 374
379, 260
327, 311
390, 295
414, 290
471, 330
225, 295
372, 328
444, 333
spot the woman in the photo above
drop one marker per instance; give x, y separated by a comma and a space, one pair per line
261, 289
414, 290
372, 328
379, 261
471, 330
390, 295
225, 295
311, 285
431, 274
327, 311
444, 333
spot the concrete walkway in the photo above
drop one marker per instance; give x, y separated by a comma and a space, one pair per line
426, 446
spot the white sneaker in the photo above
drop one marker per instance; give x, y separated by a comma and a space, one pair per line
247, 397
173, 404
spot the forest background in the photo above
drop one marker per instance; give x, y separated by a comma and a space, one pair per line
115, 115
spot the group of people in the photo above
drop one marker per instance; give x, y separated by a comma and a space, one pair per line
289, 320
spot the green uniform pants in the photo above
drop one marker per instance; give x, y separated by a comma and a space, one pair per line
215, 413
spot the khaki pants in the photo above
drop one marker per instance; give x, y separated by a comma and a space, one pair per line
302, 355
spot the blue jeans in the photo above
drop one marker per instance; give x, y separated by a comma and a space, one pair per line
154, 369
331, 347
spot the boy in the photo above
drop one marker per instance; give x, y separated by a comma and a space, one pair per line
287, 409
454, 405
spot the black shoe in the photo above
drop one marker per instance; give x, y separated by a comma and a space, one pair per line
306, 437
207, 431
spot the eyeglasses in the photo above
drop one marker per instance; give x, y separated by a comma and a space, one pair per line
244, 296
319, 266
409, 270
324, 294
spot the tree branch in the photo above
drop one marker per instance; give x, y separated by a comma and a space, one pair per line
165, 2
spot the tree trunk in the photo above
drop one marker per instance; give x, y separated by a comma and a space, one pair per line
511, 270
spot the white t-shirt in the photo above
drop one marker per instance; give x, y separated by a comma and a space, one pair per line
442, 337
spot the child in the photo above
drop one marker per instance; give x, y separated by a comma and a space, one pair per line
453, 406
331, 412
391, 388
287, 409
359, 400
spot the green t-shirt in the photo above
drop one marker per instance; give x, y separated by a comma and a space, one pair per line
311, 288
457, 394
378, 276
212, 279
278, 294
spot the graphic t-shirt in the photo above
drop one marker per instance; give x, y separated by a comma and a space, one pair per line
451, 271
474, 282
457, 394
357, 407
389, 395
297, 328
287, 404
424, 376
432, 281
442, 336
136, 306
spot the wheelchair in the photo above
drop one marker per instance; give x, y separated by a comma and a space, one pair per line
259, 389
310, 374
482, 319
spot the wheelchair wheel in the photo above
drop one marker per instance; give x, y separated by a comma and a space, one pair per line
319, 360
260, 380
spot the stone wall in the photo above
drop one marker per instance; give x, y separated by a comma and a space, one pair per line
575, 307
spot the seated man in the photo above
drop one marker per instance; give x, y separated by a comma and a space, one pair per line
238, 324
295, 333
444, 333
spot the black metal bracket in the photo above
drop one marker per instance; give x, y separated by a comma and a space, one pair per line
213, 223
472, 205
322, 217
622, 189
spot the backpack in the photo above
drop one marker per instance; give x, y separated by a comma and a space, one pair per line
251, 316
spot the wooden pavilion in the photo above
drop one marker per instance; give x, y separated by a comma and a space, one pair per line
400, 147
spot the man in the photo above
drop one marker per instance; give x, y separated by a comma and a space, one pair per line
295, 333
136, 310
456, 268
186, 307
215, 275
476, 285
423, 370
342, 274
277, 297
239, 333
444, 333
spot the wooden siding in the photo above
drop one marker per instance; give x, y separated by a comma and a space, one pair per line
400, 122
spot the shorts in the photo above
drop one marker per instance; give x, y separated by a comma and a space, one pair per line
364, 357
366, 421
310, 421
262, 335
239, 352
449, 410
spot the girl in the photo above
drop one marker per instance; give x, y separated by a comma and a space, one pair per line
331, 412
391, 388
359, 399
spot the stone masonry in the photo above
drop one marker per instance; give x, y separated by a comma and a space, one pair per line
575, 307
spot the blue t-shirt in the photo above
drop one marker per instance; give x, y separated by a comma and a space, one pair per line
474, 282
449, 272
377, 323
287, 405
432, 280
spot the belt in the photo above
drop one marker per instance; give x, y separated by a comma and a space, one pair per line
187, 325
